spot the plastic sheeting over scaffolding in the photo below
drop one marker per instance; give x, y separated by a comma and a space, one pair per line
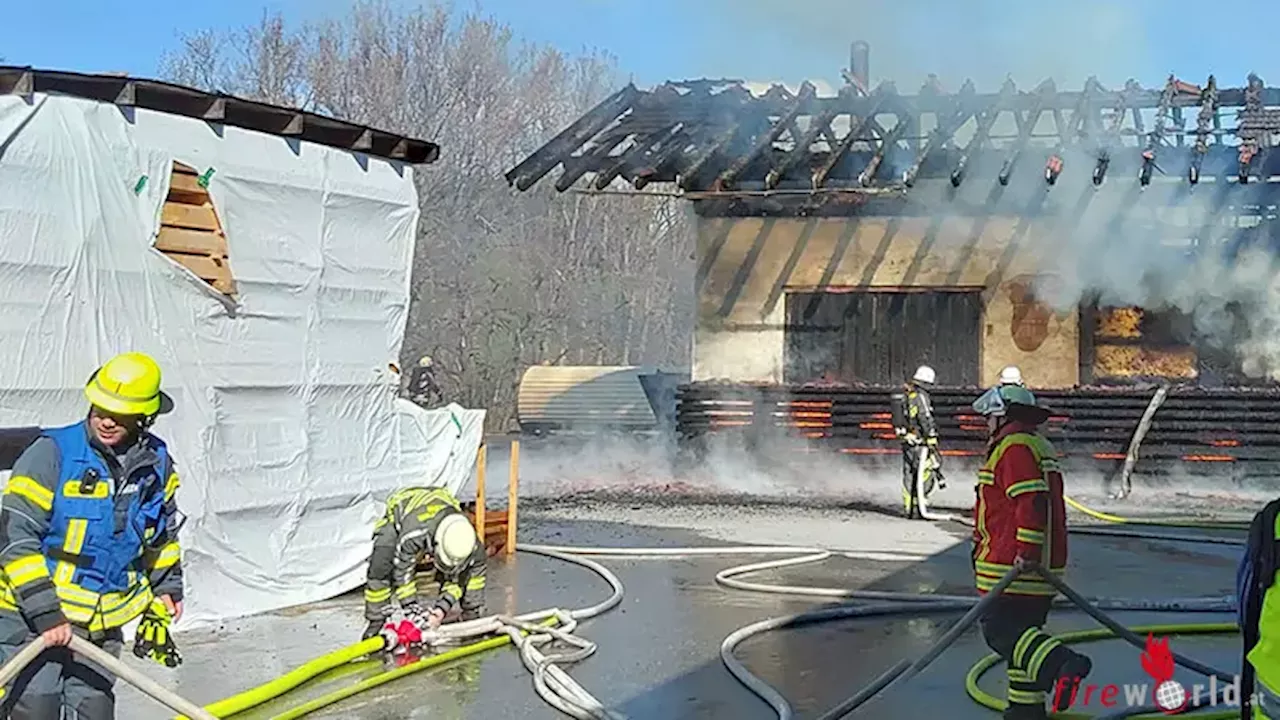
287, 431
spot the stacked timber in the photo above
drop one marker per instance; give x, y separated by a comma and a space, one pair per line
1195, 428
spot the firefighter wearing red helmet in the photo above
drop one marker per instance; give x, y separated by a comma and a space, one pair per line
1020, 521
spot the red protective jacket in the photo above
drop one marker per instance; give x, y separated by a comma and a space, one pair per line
1019, 511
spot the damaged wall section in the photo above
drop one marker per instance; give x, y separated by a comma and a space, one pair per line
749, 267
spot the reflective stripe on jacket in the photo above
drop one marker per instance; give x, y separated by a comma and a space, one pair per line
1021, 466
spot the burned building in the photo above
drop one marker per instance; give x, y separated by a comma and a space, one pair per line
1094, 237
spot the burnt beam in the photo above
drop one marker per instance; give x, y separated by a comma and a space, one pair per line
537, 165
786, 121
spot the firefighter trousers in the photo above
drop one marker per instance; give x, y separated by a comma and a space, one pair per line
58, 681
910, 473
1013, 628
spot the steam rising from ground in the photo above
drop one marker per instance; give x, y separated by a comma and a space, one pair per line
555, 471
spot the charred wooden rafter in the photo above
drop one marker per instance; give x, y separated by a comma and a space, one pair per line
1208, 115
716, 136
947, 127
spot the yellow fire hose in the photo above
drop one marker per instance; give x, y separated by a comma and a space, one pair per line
274, 689
1155, 522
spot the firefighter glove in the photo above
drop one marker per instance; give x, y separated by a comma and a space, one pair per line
417, 614
932, 442
152, 638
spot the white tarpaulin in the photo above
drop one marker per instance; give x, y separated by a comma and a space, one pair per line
287, 433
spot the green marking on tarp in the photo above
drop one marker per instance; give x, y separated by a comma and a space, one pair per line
456, 423
138, 186
203, 180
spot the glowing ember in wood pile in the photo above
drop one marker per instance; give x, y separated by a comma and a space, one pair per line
1135, 361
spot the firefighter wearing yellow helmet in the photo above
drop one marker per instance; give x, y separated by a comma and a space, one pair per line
420, 523
89, 531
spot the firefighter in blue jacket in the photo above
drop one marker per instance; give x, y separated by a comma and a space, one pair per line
1259, 615
88, 543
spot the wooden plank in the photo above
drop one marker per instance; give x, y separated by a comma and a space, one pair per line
191, 217
195, 242
185, 189
181, 169
215, 271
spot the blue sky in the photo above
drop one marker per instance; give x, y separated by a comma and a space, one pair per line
760, 40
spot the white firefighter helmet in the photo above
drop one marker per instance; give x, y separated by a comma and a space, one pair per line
1011, 375
925, 374
425, 361
455, 540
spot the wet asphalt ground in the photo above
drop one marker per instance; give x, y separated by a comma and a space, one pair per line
658, 651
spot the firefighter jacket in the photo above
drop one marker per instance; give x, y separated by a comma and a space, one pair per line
913, 416
1019, 511
1259, 607
89, 533
404, 535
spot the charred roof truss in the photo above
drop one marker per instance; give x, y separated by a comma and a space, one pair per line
715, 137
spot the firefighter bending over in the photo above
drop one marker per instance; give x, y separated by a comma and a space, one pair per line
1020, 520
1259, 616
421, 523
89, 530
914, 425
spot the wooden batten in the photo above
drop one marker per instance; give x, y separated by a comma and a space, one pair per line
191, 232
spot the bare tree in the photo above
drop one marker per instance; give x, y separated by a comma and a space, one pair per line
501, 279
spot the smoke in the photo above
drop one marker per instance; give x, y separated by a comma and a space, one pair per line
1169, 247
985, 40
777, 468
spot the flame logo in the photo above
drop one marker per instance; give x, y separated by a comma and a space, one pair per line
1157, 660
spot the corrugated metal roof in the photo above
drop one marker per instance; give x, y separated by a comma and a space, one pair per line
589, 395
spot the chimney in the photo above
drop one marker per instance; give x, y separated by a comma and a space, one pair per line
859, 57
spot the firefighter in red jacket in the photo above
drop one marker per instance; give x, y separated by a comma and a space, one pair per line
1020, 520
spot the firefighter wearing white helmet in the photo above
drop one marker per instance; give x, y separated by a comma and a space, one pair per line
1011, 375
915, 428
421, 523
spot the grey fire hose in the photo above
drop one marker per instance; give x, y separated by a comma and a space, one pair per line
168, 698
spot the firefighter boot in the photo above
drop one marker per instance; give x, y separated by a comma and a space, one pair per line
1067, 679
1017, 711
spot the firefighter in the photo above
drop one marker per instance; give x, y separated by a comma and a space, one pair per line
89, 526
1259, 616
421, 523
1011, 375
424, 391
914, 425
1020, 520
